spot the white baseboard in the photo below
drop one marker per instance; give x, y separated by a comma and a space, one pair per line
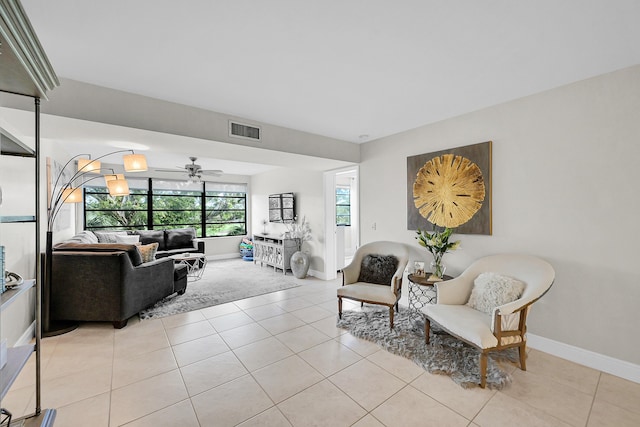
317, 274
610, 365
28, 335
223, 256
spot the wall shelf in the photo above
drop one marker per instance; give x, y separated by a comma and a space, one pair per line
26, 71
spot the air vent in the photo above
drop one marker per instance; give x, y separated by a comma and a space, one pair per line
240, 130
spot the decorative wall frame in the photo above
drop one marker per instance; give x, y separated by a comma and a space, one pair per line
480, 154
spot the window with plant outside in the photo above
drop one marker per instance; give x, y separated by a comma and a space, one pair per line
213, 209
343, 205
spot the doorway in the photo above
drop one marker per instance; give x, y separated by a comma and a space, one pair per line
342, 227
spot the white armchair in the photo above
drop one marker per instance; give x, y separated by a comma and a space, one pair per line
356, 286
505, 326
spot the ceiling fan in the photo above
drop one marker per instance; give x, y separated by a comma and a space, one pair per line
193, 170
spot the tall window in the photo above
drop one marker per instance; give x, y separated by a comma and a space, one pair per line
343, 205
213, 209
177, 204
226, 209
104, 212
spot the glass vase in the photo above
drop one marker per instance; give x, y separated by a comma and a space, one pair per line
437, 267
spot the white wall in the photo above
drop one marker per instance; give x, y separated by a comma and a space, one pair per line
565, 178
308, 188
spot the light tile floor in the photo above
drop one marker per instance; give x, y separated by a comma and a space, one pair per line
278, 360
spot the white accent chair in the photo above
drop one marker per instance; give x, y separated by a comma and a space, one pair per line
506, 326
372, 293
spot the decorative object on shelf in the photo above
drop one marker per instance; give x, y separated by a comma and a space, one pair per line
448, 190
300, 260
438, 244
65, 190
418, 269
264, 226
478, 154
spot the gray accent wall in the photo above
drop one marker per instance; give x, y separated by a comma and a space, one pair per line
565, 179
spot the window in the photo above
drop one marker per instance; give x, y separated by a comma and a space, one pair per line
343, 205
213, 209
226, 209
104, 212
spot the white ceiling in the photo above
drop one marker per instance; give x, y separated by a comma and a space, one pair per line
339, 68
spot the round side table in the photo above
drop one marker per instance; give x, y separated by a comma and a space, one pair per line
421, 292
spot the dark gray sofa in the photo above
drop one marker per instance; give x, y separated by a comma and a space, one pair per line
170, 242
109, 282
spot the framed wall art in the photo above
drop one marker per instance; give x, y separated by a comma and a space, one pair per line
480, 154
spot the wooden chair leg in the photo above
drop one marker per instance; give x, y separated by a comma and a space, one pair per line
522, 351
339, 307
427, 328
391, 318
483, 369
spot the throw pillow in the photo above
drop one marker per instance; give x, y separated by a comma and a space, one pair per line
179, 238
131, 239
491, 290
148, 252
108, 236
378, 269
151, 236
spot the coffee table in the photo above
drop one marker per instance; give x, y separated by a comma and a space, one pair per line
195, 262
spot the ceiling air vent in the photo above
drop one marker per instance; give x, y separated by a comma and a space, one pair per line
240, 130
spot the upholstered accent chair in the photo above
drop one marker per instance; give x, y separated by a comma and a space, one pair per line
375, 276
502, 324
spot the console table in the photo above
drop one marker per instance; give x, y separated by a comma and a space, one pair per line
275, 251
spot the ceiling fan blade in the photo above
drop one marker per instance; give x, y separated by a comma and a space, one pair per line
170, 170
213, 172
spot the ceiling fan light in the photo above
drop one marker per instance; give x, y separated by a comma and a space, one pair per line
72, 195
134, 162
88, 165
118, 187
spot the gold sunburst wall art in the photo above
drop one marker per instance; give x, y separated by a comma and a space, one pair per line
451, 188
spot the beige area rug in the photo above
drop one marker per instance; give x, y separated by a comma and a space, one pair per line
223, 281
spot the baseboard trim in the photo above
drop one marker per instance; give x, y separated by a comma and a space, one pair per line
28, 335
317, 274
610, 365
223, 256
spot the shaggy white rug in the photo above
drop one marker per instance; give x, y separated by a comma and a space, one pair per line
444, 354
222, 281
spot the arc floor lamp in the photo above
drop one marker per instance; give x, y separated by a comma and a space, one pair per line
71, 192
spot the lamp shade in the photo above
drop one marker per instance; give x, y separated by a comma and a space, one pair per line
72, 195
118, 187
111, 176
88, 165
134, 162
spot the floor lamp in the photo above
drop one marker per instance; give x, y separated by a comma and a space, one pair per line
66, 192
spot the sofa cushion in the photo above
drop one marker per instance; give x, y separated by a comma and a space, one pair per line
84, 237
378, 269
108, 236
148, 252
152, 236
180, 238
491, 290
131, 239
131, 250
